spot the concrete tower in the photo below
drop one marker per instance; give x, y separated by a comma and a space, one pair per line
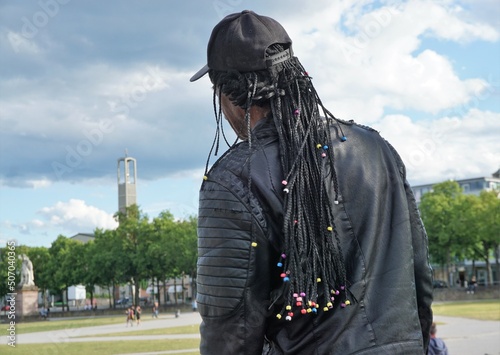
127, 179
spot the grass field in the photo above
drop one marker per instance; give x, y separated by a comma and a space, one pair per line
43, 326
187, 329
482, 310
105, 347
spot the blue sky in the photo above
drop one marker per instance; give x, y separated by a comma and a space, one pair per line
83, 81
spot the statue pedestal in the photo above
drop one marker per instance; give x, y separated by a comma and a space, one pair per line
27, 301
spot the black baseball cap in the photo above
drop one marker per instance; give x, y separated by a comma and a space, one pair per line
239, 42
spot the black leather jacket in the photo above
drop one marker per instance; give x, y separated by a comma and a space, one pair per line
383, 241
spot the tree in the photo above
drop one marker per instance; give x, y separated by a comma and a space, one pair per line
461, 226
174, 250
488, 228
189, 251
133, 232
10, 266
108, 261
439, 209
159, 254
63, 265
40, 257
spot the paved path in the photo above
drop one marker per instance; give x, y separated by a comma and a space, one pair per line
469, 337
462, 336
73, 335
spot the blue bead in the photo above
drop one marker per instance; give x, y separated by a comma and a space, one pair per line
280, 264
286, 279
343, 139
325, 147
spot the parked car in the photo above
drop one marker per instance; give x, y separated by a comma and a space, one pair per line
123, 301
439, 284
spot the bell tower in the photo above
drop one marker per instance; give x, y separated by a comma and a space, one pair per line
127, 179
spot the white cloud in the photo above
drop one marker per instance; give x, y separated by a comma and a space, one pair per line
366, 58
369, 59
21, 44
450, 147
76, 216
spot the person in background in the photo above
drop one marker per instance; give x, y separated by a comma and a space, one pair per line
436, 345
309, 236
472, 285
138, 312
130, 316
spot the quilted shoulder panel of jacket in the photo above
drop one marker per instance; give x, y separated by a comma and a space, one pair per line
228, 221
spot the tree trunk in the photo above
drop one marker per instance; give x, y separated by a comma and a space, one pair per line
175, 290
450, 281
92, 297
193, 288
488, 266
67, 300
165, 289
158, 289
497, 264
45, 298
152, 288
183, 294
137, 291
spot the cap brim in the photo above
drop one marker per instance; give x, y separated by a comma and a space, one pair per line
200, 73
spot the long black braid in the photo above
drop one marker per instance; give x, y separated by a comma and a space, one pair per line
312, 262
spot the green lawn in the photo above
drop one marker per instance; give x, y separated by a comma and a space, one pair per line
483, 310
51, 324
187, 329
104, 347
479, 309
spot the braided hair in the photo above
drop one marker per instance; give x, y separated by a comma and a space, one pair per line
313, 270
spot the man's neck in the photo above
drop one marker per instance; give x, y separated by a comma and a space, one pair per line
258, 113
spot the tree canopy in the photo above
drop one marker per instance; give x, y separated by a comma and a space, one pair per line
461, 226
138, 250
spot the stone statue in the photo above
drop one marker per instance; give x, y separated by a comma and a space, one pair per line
27, 277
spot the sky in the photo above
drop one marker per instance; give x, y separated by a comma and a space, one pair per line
82, 83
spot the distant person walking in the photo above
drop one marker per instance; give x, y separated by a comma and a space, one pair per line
154, 314
130, 316
138, 315
436, 345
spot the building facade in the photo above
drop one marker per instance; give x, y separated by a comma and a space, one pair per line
469, 186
